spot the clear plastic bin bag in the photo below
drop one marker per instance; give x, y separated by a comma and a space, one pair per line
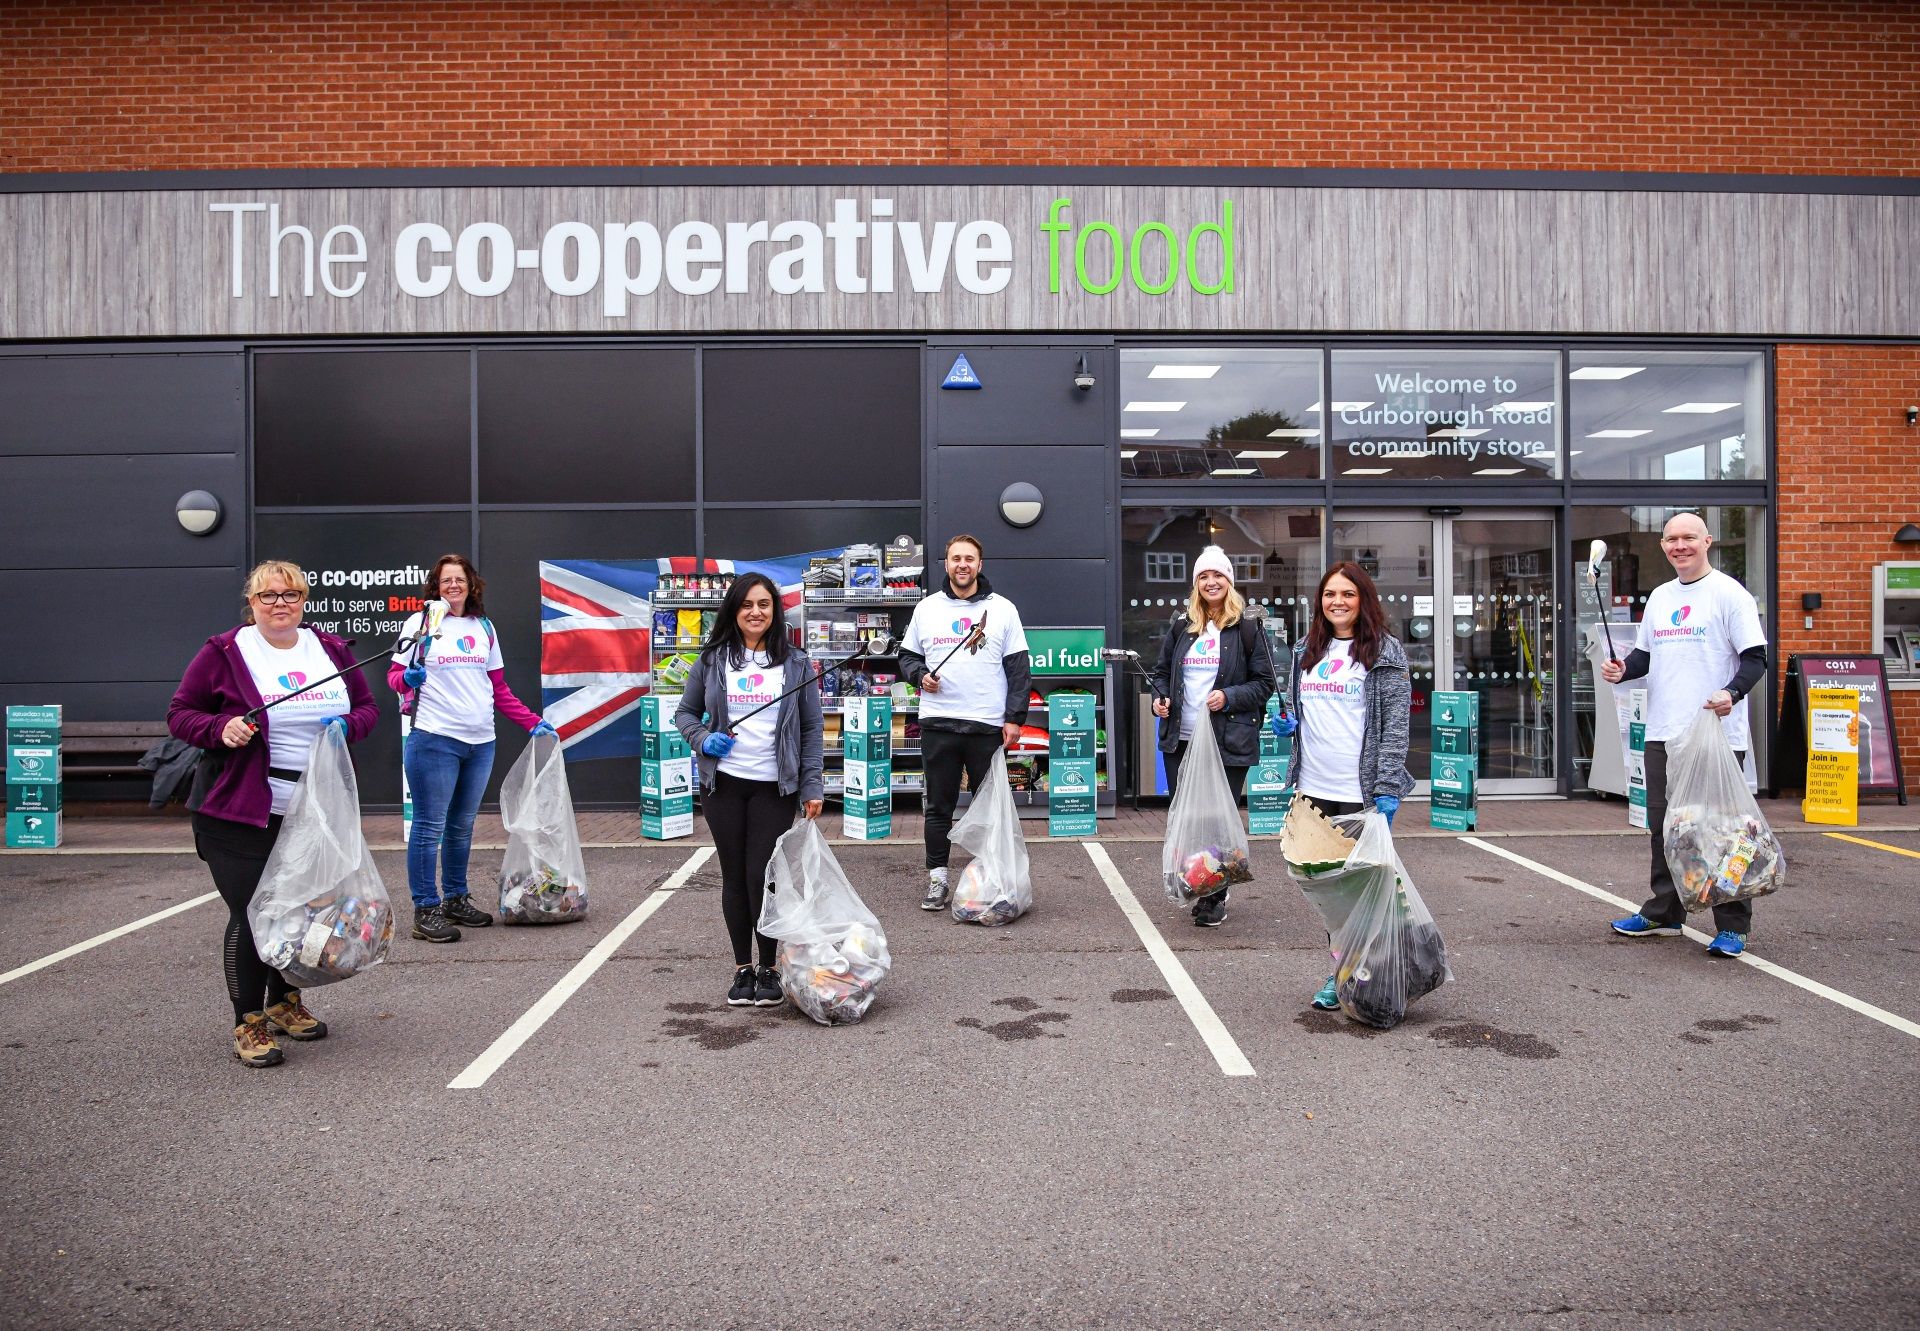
1719, 847
996, 887
543, 879
832, 953
321, 913
1206, 845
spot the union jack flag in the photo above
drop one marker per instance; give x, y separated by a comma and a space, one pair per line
596, 631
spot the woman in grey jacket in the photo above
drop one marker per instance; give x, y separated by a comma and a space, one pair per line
1353, 708
752, 772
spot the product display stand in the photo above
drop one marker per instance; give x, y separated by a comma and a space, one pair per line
33, 777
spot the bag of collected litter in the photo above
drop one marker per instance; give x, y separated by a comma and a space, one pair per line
1386, 949
995, 887
832, 951
320, 912
543, 879
1718, 846
1206, 846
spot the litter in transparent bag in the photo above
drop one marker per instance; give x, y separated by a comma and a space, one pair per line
321, 913
1206, 846
1718, 846
543, 879
833, 953
1387, 951
995, 887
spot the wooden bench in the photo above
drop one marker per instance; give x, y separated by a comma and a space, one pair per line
93, 749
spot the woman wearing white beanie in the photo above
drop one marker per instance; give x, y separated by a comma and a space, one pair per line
1213, 663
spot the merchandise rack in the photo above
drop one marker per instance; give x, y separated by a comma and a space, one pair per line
828, 604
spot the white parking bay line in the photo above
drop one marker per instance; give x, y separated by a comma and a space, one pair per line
1864, 1008
1200, 1012
535, 1017
107, 937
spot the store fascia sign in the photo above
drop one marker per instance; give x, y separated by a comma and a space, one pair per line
860, 250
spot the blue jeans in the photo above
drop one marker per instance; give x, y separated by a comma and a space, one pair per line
447, 779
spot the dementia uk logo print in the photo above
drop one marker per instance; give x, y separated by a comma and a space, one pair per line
1325, 678
963, 626
293, 681
467, 644
749, 689
1680, 615
1682, 629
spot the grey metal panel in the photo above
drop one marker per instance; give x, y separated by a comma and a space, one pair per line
138, 403
95, 511
106, 625
1073, 519
1053, 592
1319, 258
1027, 397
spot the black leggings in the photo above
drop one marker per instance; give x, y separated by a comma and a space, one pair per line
746, 818
236, 855
943, 753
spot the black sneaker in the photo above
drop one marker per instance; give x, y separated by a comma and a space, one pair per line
430, 926
766, 988
1211, 912
741, 995
459, 910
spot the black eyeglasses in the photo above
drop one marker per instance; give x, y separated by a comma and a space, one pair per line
279, 598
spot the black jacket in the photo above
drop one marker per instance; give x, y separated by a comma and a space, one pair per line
1246, 677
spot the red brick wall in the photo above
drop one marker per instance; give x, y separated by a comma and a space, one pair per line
1849, 479
1639, 85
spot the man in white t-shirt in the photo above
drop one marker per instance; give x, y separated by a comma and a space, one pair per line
966, 650
1701, 646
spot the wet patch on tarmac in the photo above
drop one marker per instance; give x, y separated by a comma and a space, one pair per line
1601, 993
1140, 995
1482, 878
1030, 1027
1725, 1026
1474, 1035
1691, 1038
1017, 1004
706, 1032
1325, 1023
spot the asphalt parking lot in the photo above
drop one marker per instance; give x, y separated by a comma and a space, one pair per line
1031, 1127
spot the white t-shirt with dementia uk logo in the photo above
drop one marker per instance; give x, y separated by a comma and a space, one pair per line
973, 685
292, 725
1333, 722
1693, 634
457, 699
755, 684
1198, 673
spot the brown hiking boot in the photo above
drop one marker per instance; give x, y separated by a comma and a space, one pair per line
253, 1042
291, 1018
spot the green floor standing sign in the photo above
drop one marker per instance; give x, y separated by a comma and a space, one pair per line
866, 731
1268, 793
1455, 760
1071, 781
33, 776
666, 773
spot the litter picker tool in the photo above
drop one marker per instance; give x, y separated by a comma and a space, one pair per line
1596, 556
873, 647
402, 645
971, 640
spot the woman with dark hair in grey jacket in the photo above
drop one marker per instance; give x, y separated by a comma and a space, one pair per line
1353, 708
754, 773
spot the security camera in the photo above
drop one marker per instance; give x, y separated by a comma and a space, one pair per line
1083, 377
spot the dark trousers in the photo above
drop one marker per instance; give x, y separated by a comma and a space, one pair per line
746, 818
1664, 907
236, 856
943, 753
1236, 781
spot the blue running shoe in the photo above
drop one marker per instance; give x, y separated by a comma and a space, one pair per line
1727, 943
1639, 926
1328, 999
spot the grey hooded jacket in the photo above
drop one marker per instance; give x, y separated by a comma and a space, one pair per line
1388, 694
797, 740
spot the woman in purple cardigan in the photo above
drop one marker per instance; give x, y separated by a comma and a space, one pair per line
244, 782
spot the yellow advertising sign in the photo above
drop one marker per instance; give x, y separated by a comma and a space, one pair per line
1833, 757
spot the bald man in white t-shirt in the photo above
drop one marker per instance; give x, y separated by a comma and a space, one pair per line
1701, 646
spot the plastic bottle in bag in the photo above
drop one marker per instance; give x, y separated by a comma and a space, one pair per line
1719, 847
543, 879
1206, 846
995, 887
833, 953
320, 912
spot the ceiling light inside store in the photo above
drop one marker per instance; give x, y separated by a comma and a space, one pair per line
1605, 371
1351, 406
1701, 408
1522, 406
1236, 471
1183, 371
1153, 406
1292, 434
1499, 471
1260, 453
1457, 433
1367, 471
1618, 434
1129, 453
1140, 434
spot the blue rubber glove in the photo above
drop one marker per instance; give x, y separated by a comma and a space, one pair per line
544, 728
338, 723
717, 745
1284, 725
1388, 805
415, 676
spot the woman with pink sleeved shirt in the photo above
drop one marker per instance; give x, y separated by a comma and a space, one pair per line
451, 684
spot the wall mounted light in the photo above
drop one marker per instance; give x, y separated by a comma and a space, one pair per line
198, 512
1083, 377
1908, 535
1809, 602
1021, 503
1913, 414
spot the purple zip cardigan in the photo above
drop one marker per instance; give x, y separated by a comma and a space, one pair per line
218, 687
